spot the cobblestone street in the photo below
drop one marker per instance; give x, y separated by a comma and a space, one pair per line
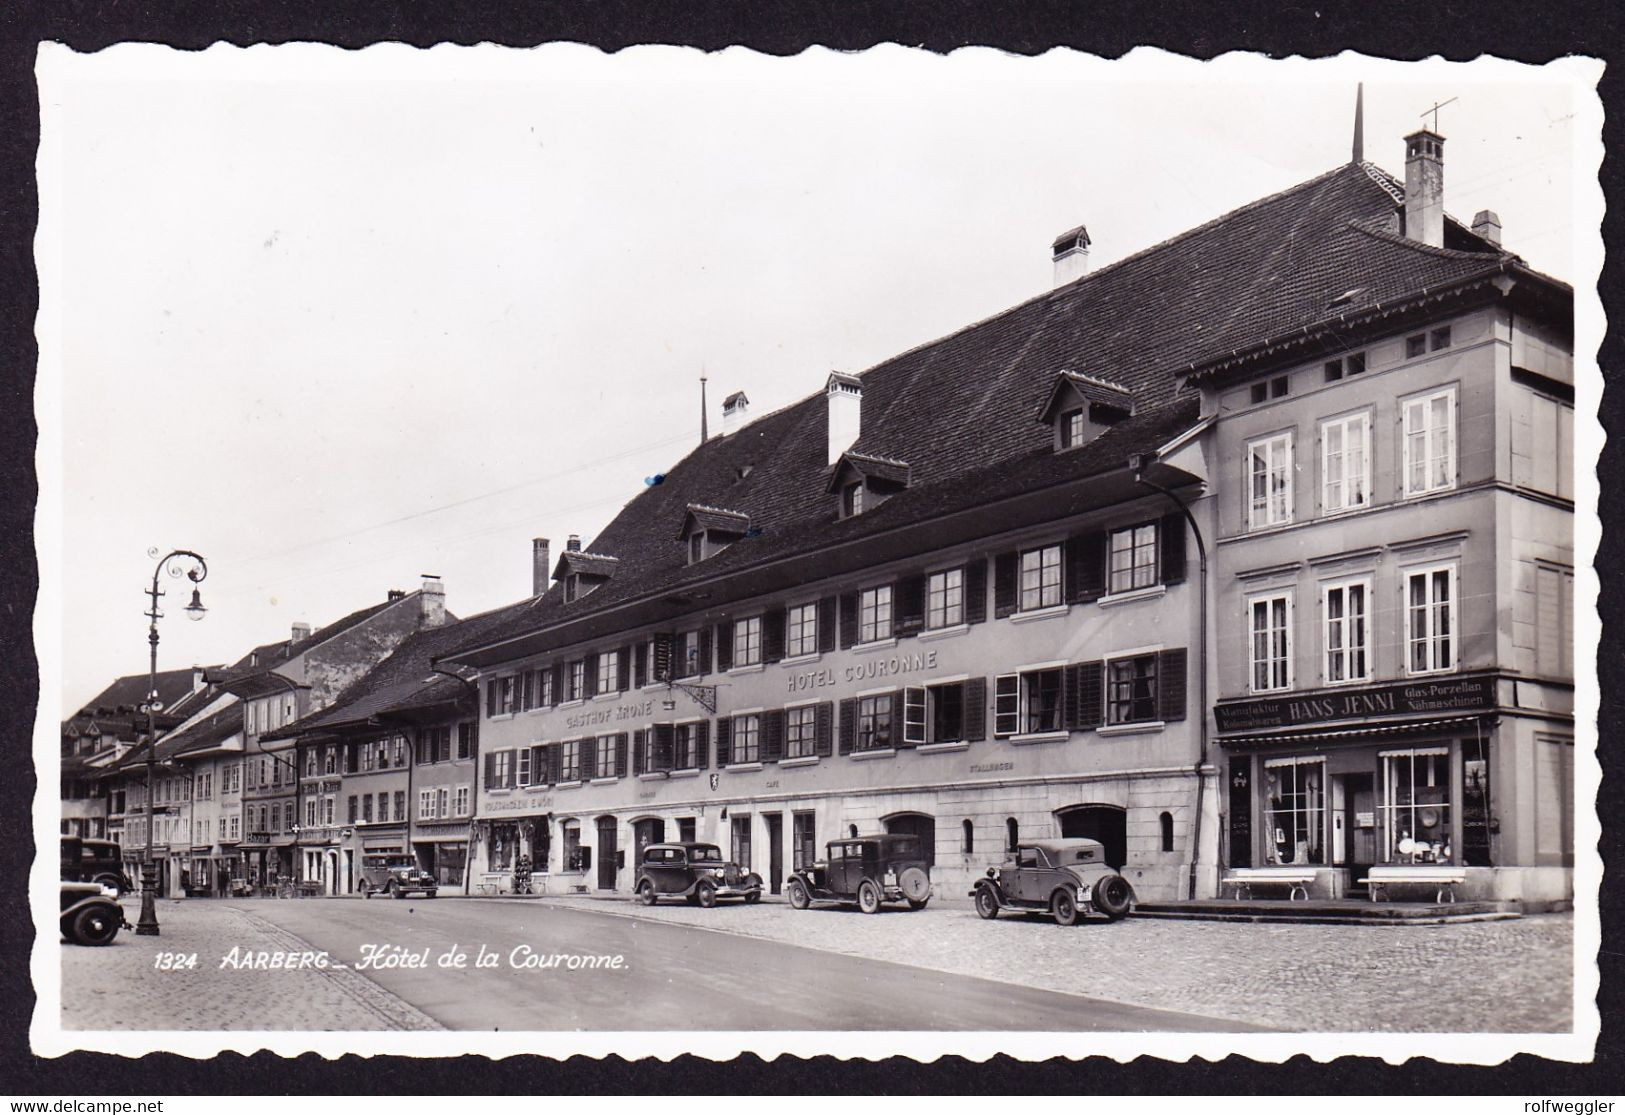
1504, 977
118, 987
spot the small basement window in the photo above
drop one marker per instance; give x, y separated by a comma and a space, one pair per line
1441, 338
1416, 346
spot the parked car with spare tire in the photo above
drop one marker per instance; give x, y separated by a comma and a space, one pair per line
868, 870
695, 872
396, 876
94, 861
89, 914
1067, 879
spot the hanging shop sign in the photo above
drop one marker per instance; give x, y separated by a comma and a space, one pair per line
1447, 694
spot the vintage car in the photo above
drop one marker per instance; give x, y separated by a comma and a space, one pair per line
868, 870
696, 872
1066, 879
396, 876
89, 914
94, 861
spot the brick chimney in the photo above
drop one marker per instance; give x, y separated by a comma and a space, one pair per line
733, 412
1488, 225
573, 543
845, 395
433, 603
301, 630
1070, 252
540, 565
1424, 187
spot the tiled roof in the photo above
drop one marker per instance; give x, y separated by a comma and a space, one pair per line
1090, 388
717, 519
129, 691
869, 465
590, 564
262, 659
960, 409
211, 730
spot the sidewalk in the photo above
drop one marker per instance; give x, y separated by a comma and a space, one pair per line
120, 988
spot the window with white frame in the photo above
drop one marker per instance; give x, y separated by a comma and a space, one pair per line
934, 713
748, 641
874, 614
462, 800
684, 753
1345, 462
1131, 689
1027, 702
1132, 558
605, 766
1040, 578
852, 499
1429, 439
609, 671
800, 731
1415, 805
1430, 620
945, 599
874, 726
443, 802
746, 739
310, 812
1270, 626
1346, 626
1269, 481
501, 770
1295, 800
1074, 428
689, 664
570, 760
524, 778
425, 804
801, 630
575, 680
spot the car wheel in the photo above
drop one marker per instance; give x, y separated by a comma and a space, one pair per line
1064, 909
753, 896
646, 893
692, 899
95, 925
917, 903
706, 894
1112, 896
366, 891
112, 881
796, 893
431, 893
396, 892
868, 897
987, 903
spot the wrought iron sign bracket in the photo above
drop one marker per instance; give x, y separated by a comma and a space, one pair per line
706, 695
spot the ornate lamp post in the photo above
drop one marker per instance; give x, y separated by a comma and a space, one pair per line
193, 565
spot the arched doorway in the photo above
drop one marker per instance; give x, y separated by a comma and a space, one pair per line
606, 852
1105, 823
922, 825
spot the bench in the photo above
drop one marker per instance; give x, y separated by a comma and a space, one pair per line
1296, 879
1442, 877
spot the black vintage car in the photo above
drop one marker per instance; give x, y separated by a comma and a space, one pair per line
1066, 879
396, 876
94, 861
868, 870
693, 871
89, 915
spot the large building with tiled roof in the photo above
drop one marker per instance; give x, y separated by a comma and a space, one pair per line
1122, 562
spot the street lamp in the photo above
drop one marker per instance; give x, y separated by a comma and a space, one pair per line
195, 568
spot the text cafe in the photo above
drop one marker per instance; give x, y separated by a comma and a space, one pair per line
1343, 781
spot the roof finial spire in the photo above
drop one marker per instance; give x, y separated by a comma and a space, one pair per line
704, 435
1359, 122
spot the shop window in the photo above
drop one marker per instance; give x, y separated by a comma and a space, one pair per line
874, 726
1166, 821
748, 641
575, 856
1415, 806
1295, 790
1269, 481
875, 614
1132, 558
746, 739
1040, 578
1029, 702
1429, 440
504, 845
1270, 626
1012, 835
1346, 610
1345, 463
945, 599
1476, 822
1430, 621
1131, 689
800, 731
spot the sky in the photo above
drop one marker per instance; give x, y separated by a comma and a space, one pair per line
337, 320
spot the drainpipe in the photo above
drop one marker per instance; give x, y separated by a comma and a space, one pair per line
1139, 463
474, 754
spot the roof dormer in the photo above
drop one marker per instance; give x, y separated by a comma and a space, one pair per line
582, 571
863, 480
1080, 408
710, 530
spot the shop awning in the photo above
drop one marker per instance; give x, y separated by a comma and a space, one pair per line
1408, 728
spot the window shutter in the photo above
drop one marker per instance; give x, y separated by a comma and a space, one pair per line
725, 739
910, 611
772, 735
590, 673
829, 609
913, 722
895, 738
555, 762
539, 773
589, 758
662, 747
527, 689
491, 698
702, 745
1006, 704
640, 740
773, 635
725, 646
558, 682
849, 724
1171, 538
1091, 694
623, 668
1004, 583
849, 619
823, 718
662, 648
705, 651
1072, 686
974, 728
1086, 567
640, 665
620, 754
490, 770
975, 591
1171, 684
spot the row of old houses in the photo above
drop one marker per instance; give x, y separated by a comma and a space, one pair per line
1252, 548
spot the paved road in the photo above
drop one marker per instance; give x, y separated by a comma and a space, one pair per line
676, 977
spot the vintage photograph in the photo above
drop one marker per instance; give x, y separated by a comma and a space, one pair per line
863, 553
